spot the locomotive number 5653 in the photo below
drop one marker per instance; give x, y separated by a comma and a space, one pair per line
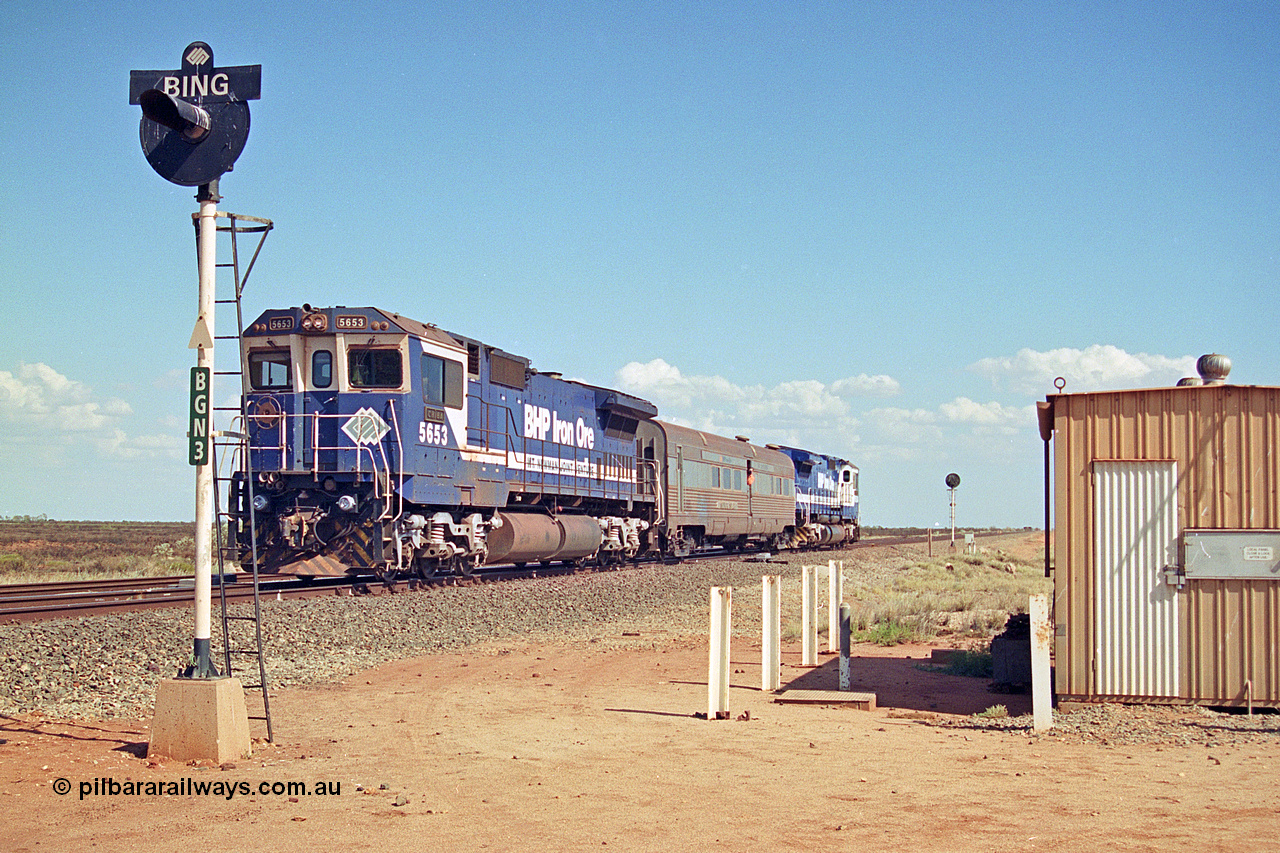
437, 434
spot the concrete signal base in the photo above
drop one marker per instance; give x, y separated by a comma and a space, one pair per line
200, 718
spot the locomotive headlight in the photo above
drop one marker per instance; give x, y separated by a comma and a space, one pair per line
261, 503
347, 503
315, 322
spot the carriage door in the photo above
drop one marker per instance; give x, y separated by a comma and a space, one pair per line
1135, 535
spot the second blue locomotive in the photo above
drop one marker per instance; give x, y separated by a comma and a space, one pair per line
377, 442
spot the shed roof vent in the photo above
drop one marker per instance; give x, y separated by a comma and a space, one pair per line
1213, 368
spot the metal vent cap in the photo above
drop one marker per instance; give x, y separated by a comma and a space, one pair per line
1213, 368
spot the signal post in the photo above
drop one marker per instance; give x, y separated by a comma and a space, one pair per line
195, 122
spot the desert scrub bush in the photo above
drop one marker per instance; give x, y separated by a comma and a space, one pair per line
970, 663
995, 712
892, 632
969, 594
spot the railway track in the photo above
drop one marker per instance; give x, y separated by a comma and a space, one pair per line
37, 601
33, 602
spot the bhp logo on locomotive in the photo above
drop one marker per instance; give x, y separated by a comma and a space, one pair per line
539, 420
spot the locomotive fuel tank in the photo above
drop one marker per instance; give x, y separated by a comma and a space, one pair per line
524, 537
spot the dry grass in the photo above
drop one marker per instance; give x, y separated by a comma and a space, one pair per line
43, 551
968, 594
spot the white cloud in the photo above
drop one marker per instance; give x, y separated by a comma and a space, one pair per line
666, 386
906, 426
989, 416
1098, 367
40, 406
863, 385
800, 412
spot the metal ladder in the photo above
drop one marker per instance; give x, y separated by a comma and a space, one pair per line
237, 442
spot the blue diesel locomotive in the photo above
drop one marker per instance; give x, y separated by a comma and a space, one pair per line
376, 442
826, 498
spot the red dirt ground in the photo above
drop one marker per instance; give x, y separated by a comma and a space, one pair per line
588, 746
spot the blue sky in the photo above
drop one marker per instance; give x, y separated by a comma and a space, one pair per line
878, 230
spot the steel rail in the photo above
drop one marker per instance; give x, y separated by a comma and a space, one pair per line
34, 602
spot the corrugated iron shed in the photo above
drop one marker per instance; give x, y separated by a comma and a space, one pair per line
1139, 477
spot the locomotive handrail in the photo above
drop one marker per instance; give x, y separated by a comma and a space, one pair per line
656, 483
315, 445
395, 430
524, 447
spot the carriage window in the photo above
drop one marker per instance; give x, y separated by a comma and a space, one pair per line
269, 370
374, 368
321, 368
441, 382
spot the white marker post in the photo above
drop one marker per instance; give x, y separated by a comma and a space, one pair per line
718, 668
846, 629
1041, 690
771, 633
835, 594
202, 343
809, 617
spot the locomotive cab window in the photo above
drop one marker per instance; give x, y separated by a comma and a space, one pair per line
321, 368
269, 370
441, 381
374, 368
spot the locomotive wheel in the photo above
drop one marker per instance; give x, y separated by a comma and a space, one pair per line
463, 566
426, 568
